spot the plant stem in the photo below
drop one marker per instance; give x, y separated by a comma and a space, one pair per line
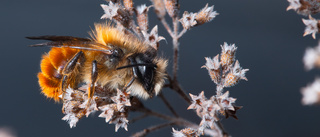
151, 129
168, 105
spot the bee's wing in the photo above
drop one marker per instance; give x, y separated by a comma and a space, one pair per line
71, 42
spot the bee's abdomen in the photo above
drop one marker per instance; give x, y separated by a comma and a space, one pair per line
52, 64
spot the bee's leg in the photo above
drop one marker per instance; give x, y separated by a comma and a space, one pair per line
94, 75
129, 84
68, 68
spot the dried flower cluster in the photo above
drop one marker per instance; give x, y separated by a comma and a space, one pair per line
311, 58
311, 93
190, 20
224, 72
113, 106
122, 15
304, 7
307, 7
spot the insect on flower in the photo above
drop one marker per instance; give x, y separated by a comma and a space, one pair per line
111, 59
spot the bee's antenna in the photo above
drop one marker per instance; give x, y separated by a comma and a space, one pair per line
134, 65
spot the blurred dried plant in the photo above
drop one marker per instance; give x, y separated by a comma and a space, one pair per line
224, 70
311, 58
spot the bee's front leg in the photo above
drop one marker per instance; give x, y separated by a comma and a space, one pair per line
68, 68
94, 75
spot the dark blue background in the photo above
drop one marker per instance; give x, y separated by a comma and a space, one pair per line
269, 41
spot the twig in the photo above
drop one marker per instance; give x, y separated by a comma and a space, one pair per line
168, 105
165, 24
151, 129
224, 132
174, 85
179, 121
175, 48
182, 32
138, 118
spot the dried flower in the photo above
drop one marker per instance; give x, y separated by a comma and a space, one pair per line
122, 100
159, 8
120, 120
114, 11
228, 53
232, 113
128, 4
172, 7
110, 10
213, 67
188, 20
226, 102
208, 121
186, 132
206, 15
235, 75
107, 111
304, 7
89, 105
142, 17
311, 57
311, 93
312, 27
71, 106
197, 101
152, 38
294, 4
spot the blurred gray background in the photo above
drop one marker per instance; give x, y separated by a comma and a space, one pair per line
269, 41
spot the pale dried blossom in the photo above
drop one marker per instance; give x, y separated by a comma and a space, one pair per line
142, 17
120, 120
122, 100
312, 27
208, 121
188, 20
228, 54
110, 10
172, 7
72, 100
159, 8
72, 119
89, 105
304, 7
226, 102
116, 12
186, 132
107, 111
236, 74
211, 107
311, 93
213, 67
311, 57
294, 4
197, 101
153, 38
116, 113
206, 15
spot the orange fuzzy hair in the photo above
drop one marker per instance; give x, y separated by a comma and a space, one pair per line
51, 66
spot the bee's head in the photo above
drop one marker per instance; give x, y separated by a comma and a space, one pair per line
143, 69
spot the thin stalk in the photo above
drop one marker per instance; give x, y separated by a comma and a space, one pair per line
165, 101
151, 129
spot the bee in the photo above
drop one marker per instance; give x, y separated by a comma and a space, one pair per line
111, 59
